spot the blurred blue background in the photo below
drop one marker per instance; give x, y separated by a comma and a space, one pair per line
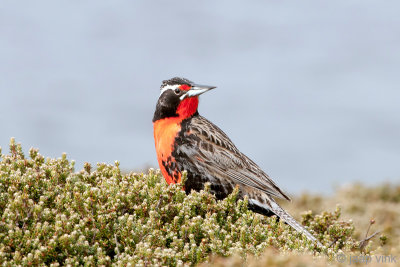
308, 89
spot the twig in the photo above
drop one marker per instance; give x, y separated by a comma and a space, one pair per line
364, 242
116, 243
333, 242
26, 219
159, 203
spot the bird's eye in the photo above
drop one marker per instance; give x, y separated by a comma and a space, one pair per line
177, 91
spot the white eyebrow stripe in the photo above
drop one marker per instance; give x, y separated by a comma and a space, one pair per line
169, 87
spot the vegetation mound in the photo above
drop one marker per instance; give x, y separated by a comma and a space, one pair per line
52, 215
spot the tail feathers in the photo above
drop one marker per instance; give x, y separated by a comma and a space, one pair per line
283, 215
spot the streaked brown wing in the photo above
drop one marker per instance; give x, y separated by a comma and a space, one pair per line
216, 153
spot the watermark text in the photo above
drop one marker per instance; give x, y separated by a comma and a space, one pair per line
365, 259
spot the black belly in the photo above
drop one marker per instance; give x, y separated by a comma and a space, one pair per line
196, 181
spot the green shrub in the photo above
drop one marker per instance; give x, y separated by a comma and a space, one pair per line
52, 215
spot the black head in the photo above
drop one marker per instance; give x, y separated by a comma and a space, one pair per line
176, 81
175, 91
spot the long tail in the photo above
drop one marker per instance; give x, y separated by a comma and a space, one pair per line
273, 207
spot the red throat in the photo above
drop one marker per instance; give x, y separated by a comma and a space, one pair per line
188, 107
165, 132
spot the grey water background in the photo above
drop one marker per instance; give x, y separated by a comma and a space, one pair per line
308, 89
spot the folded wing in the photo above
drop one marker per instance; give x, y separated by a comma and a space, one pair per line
212, 150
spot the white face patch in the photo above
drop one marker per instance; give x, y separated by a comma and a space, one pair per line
169, 87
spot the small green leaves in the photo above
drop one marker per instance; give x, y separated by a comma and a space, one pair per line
52, 215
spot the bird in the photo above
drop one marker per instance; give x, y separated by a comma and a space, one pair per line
186, 141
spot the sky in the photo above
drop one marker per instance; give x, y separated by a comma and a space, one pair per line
309, 90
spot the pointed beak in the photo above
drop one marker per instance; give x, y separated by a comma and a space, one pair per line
197, 90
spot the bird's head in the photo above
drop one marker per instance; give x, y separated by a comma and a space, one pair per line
179, 97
